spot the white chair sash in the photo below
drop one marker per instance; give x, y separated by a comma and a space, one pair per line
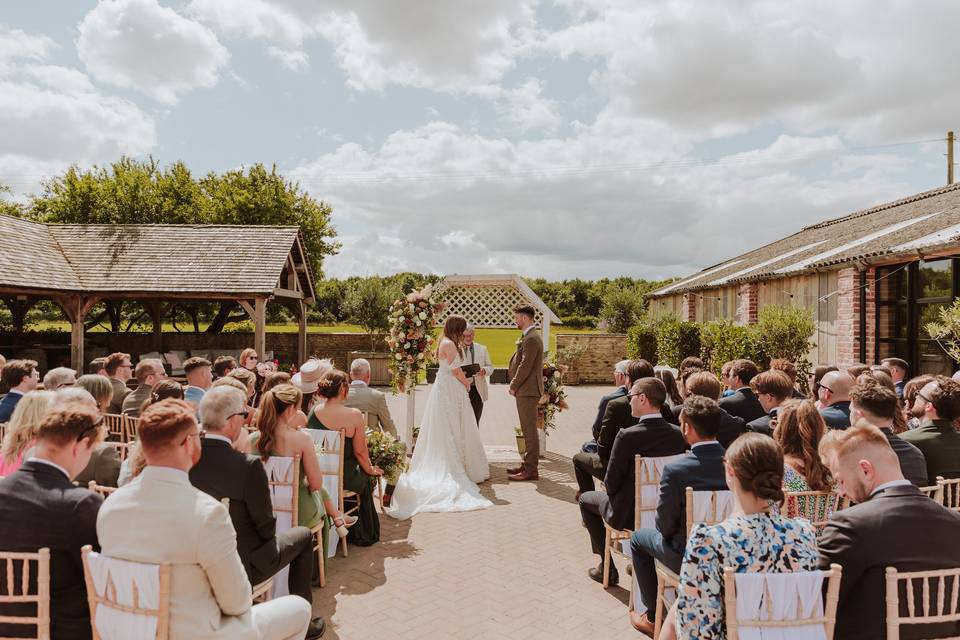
280, 469
780, 597
113, 624
652, 468
703, 506
330, 466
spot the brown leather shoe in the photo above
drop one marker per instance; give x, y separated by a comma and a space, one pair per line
641, 623
514, 470
523, 476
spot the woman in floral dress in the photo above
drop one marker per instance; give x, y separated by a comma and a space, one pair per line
798, 431
752, 539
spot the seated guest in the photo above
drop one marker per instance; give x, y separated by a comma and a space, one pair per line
725, 379
22, 429
799, 430
878, 405
834, 392
97, 367
20, 377
100, 387
223, 365
910, 392
651, 437
224, 472
371, 401
691, 363
620, 389
617, 415
892, 524
275, 379
199, 378
898, 371
160, 517
250, 361
104, 464
771, 388
58, 378
743, 402
307, 379
119, 369
782, 364
358, 471
249, 380
701, 469
818, 373
753, 539
669, 380
41, 507
855, 370
149, 371
161, 390
704, 383
936, 437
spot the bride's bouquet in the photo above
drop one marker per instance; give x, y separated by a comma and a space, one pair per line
412, 320
388, 454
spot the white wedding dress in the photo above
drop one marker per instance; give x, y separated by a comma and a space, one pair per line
449, 459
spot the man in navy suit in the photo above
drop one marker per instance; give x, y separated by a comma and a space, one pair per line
620, 381
743, 401
772, 388
834, 392
21, 377
702, 470
588, 465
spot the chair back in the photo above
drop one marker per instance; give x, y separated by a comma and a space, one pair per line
120, 427
3, 431
329, 446
776, 606
122, 449
815, 506
283, 475
918, 587
127, 599
934, 492
707, 507
647, 488
949, 493
101, 489
26, 580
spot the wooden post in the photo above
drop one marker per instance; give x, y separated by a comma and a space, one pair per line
949, 157
301, 333
545, 333
407, 436
260, 326
156, 311
76, 308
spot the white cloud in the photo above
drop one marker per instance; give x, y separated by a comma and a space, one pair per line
52, 116
139, 44
527, 109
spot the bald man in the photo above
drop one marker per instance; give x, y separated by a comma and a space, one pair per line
834, 395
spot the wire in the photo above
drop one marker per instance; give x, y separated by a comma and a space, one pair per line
858, 287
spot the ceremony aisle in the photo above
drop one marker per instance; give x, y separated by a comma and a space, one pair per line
516, 570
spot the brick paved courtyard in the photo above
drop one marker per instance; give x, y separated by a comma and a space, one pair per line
517, 570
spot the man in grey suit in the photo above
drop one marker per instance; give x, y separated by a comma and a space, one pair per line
526, 385
370, 401
476, 353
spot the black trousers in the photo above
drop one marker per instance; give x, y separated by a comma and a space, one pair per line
587, 466
294, 548
592, 505
476, 402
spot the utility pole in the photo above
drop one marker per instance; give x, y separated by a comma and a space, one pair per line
949, 157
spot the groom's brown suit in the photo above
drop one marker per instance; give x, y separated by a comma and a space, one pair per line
526, 382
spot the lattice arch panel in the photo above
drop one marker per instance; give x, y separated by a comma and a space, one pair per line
485, 306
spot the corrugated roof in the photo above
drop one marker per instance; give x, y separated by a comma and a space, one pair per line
148, 258
922, 221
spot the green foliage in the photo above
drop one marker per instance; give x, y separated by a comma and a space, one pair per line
621, 308
584, 297
784, 332
579, 322
676, 340
722, 341
642, 341
368, 303
947, 331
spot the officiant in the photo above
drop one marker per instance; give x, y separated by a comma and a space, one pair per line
475, 353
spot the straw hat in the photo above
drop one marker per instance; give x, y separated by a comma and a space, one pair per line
309, 375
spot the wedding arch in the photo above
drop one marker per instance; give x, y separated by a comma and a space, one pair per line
487, 301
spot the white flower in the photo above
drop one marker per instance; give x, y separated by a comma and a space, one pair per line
422, 315
418, 323
399, 356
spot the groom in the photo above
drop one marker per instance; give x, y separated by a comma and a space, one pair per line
526, 385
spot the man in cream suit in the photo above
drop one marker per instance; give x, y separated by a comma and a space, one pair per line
371, 401
475, 353
159, 517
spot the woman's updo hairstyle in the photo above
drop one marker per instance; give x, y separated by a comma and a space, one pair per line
757, 462
331, 382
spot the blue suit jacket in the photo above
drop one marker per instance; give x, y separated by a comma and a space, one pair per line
702, 470
618, 393
837, 415
7, 405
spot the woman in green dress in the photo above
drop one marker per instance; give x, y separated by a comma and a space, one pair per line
278, 437
358, 472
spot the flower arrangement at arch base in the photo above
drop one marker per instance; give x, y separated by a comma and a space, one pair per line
412, 320
554, 398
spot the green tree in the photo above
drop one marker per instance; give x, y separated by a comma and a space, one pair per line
622, 305
368, 304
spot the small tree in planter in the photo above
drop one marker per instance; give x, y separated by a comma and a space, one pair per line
366, 299
947, 331
569, 356
621, 308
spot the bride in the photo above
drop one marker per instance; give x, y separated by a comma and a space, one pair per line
449, 459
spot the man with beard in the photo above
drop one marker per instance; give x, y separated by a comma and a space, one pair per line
937, 406
881, 530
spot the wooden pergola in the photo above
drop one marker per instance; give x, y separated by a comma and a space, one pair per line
78, 266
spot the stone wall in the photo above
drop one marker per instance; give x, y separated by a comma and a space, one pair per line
283, 345
604, 350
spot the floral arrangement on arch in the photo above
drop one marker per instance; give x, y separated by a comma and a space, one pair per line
412, 320
554, 398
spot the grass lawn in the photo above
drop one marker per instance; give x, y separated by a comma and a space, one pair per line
501, 343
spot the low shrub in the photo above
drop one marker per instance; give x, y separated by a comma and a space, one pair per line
579, 322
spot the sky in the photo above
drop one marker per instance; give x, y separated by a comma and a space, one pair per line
564, 139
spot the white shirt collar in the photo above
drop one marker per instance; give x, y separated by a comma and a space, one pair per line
701, 443
165, 473
529, 329
357, 383
746, 387
218, 436
650, 415
50, 463
887, 485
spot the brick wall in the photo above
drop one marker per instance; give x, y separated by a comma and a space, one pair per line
689, 308
747, 307
604, 350
848, 317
